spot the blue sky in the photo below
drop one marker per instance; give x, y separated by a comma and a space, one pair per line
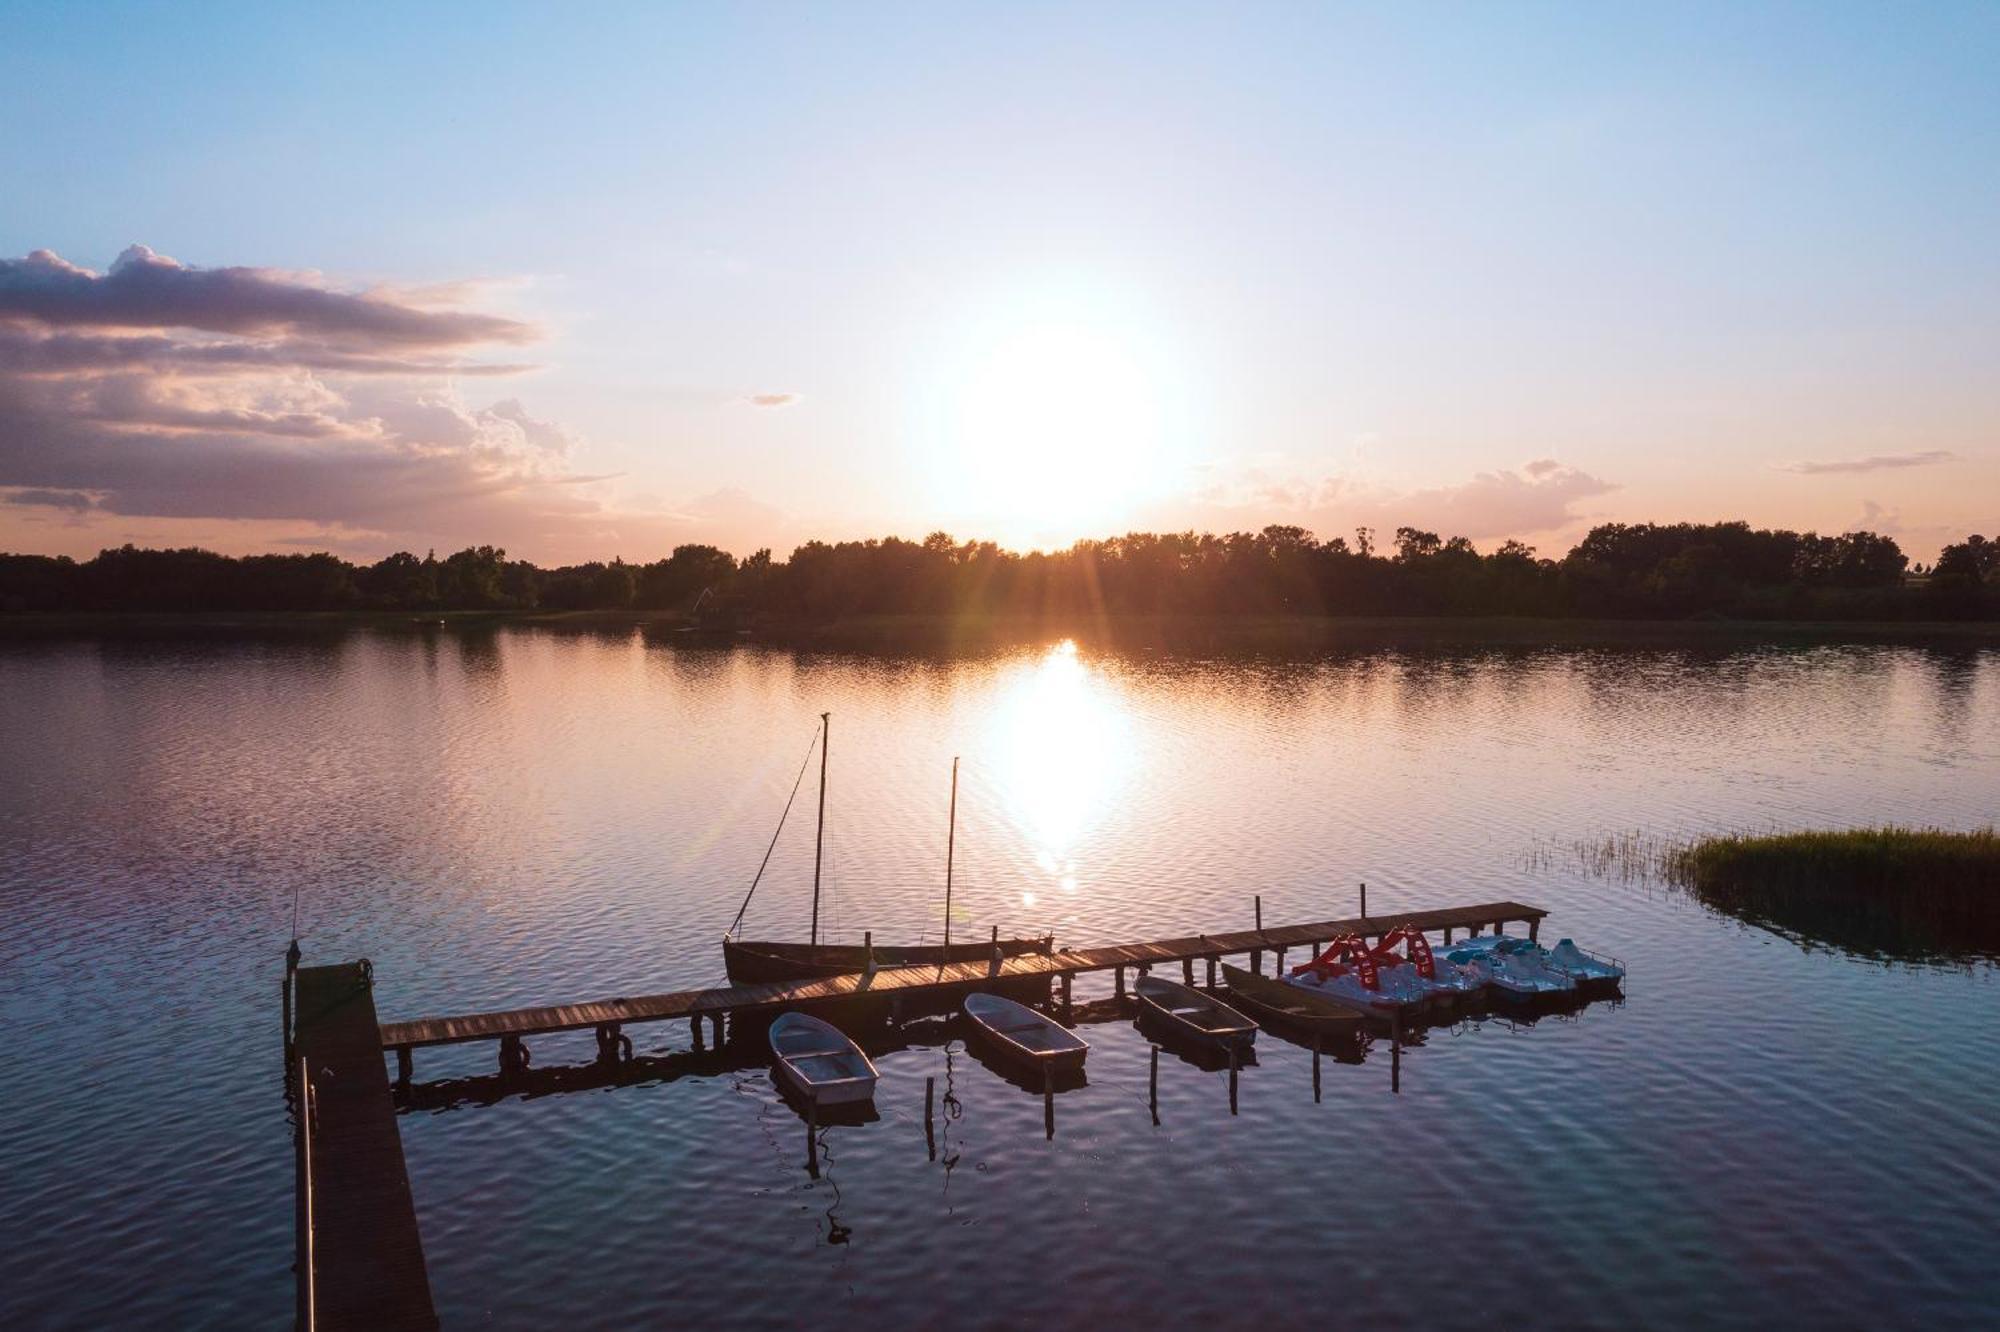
1032, 273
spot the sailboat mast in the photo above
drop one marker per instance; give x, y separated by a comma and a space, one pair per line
819, 835
950, 843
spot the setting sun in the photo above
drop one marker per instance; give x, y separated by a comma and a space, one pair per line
1055, 419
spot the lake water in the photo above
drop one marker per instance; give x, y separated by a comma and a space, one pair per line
1759, 1133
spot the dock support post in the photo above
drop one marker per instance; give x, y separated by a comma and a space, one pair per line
1211, 973
868, 945
716, 1019
1364, 901
1153, 1086
514, 1056
1447, 936
1278, 963
403, 1068
1187, 972
1534, 930
1257, 961
1260, 913
1067, 976
694, 1025
1118, 974
1145, 968
993, 967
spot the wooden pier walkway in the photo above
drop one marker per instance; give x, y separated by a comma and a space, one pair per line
361, 1262
945, 981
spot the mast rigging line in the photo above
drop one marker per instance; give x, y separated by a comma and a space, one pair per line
775, 833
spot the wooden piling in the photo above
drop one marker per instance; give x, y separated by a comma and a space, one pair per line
1315, 1070
694, 1024
1187, 971
1153, 1085
1234, 1060
1118, 975
1364, 901
1067, 977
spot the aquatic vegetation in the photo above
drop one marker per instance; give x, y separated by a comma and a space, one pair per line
1918, 891
1914, 893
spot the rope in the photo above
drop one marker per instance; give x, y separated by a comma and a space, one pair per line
796, 783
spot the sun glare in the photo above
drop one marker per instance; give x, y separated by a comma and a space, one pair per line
1056, 424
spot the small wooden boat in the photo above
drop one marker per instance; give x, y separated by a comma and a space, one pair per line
755, 962
1031, 1040
1291, 1005
819, 1062
1193, 1014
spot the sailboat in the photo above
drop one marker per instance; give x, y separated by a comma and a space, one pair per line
759, 961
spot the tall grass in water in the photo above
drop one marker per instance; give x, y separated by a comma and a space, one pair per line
1904, 891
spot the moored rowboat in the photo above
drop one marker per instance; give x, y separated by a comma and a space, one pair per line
1195, 1015
819, 1062
1274, 1001
1019, 1033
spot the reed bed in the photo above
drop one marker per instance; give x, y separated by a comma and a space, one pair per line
1901, 892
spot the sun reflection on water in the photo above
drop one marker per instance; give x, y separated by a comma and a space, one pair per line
1061, 739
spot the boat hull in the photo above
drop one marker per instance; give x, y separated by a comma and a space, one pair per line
1193, 1016
758, 963
1276, 1003
1023, 1038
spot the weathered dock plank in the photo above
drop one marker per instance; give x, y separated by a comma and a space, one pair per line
366, 1255
936, 979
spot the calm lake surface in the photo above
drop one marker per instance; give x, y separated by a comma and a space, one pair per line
1759, 1133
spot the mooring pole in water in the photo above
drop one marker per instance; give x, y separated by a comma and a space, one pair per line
1232, 1079
1315, 1070
1153, 1086
1396, 1052
819, 836
930, 1129
1049, 1101
812, 1136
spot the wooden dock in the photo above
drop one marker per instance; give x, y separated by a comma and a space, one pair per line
361, 1261
918, 983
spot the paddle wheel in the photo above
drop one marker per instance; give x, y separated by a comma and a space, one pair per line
1348, 953
1417, 950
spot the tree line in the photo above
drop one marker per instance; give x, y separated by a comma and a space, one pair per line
1619, 570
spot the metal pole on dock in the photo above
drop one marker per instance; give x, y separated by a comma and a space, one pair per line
950, 845
819, 836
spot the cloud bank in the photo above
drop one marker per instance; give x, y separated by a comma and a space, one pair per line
163, 391
1542, 496
1881, 462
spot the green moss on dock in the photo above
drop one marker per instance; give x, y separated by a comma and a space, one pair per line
1911, 892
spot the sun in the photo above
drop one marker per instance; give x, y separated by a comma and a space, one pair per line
1056, 426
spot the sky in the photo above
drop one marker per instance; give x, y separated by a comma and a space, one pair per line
594, 281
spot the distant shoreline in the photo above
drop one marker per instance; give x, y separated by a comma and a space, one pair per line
933, 632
